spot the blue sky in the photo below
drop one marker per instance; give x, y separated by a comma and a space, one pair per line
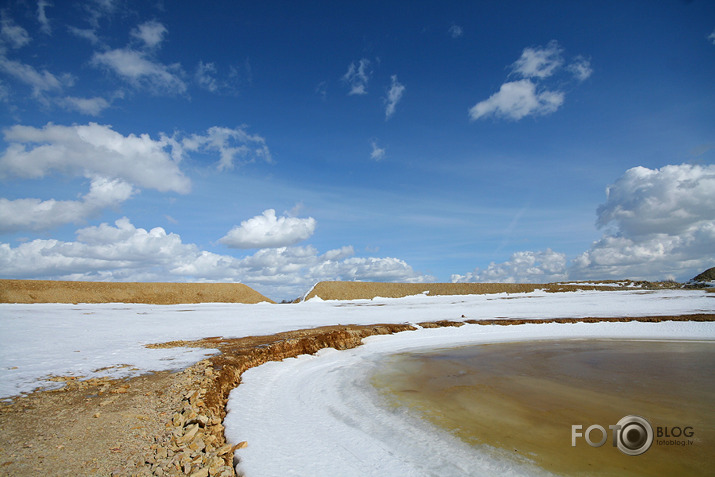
283, 143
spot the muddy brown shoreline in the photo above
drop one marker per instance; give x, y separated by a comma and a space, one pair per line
171, 423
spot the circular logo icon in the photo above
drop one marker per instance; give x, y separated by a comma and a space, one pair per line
634, 436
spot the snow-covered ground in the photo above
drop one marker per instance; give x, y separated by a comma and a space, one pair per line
316, 415
41, 340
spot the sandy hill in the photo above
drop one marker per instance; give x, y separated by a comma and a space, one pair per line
49, 291
369, 290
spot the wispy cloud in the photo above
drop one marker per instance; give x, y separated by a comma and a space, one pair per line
40, 81
455, 31
394, 95
86, 33
205, 76
711, 37
141, 71
357, 77
90, 106
42, 16
377, 152
12, 33
539, 62
581, 68
233, 145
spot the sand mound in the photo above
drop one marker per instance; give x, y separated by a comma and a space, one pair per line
47, 291
369, 290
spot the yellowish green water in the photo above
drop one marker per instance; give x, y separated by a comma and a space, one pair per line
525, 397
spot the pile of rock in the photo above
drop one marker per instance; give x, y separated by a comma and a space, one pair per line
193, 444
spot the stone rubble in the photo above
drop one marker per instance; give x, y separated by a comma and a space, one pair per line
193, 443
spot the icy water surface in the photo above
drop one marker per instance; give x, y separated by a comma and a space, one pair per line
523, 398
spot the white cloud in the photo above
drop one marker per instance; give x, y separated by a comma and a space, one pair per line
659, 224
377, 153
13, 33
151, 33
539, 62
668, 201
580, 68
523, 267
455, 31
86, 33
42, 16
141, 71
36, 214
205, 76
269, 231
358, 76
532, 94
91, 150
123, 252
230, 144
41, 82
394, 95
517, 99
711, 37
91, 106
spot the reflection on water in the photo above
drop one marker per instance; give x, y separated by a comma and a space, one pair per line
524, 398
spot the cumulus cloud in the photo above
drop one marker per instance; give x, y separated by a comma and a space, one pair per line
378, 153
269, 231
517, 99
658, 224
123, 252
231, 144
659, 201
394, 95
13, 33
150, 33
523, 267
534, 94
358, 76
142, 71
38, 215
89, 150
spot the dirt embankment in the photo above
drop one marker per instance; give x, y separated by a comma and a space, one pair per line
368, 290
50, 291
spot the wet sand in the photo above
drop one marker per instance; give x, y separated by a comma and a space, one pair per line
523, 398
